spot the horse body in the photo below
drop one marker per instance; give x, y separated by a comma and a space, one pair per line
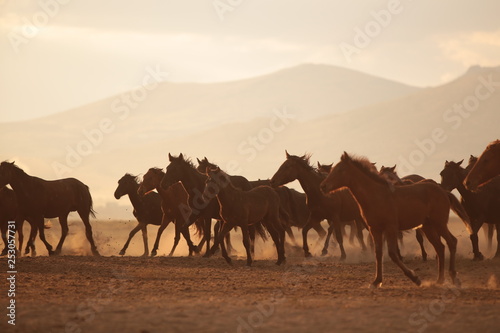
246, 208
482, 206
336, 208
486, 168
388, 210
174, 207
38, 199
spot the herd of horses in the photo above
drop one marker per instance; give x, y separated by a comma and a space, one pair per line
350, 193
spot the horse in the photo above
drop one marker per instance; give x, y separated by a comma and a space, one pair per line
245, 208
336, 208
38, 199
182, 170
388, 210
174, 207
390, 174
486, 167
147, 209
482, 206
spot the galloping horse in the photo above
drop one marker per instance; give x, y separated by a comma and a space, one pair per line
181, 170
388, 210
147, 209
245, 208
486, 167
482, 206
336, 208
174, 207
38, 199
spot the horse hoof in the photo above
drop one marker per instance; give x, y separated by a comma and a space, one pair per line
153, 253
207, 255
457, 283
195, 249
52, 253
342, 258
375, 285
417, 281
424, 258
478, 257
122, 252
324, 253
308, 254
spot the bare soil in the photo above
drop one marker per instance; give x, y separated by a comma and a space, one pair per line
81, 293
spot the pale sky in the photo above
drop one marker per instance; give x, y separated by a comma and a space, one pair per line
60, 54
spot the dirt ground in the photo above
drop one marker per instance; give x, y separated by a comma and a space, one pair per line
80, 293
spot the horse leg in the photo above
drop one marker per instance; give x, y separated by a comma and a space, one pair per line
340, 238
324, 252
207, 226
219, 241
88, 231
164, 223
177, 237
489, 235
131, 234
144, 230
360, 225
19, 229
377, 236
251, 232
392, 246
311, 221
497, 254
451, 241
31, 239
3, 228
187, 236
217, 228
38, 222
420, 240
276, 234
63, 221
290, 234
475, 246
434, 239
246, 243
229, 247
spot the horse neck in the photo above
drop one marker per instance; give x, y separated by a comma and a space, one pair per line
464, 192
134, 197
310, 182
228, 192
365, 189
21, 183
195, 180
157, 183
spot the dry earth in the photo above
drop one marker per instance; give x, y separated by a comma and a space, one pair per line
80, 293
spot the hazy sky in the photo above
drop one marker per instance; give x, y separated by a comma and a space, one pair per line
59, 54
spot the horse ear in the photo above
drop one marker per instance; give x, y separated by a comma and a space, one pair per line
319, 165
460, 163
393, 168
170, 157
181, 156
345, 157
206, 159
446, 163
199, 162
287, 155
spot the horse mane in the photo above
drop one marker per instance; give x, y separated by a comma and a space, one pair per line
364, 164
305, 161
187, 161
13, 165
135, 178
155, 169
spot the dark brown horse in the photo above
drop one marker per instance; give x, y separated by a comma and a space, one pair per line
486, 168
174, 207
38, 199
388, 210
238, 181
482, 206
182, 170
337, 208
147, 209
245, 208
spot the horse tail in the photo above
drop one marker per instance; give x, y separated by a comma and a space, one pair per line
260, 230
91, 207
86, 202
457, 207
199, 225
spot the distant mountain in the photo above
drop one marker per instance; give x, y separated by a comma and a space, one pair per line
238, 125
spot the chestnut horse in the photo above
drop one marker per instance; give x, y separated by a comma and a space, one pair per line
336, 208
174, 207
38, 199
388, 210
147, 209
486, 167
244, 208
482, 206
